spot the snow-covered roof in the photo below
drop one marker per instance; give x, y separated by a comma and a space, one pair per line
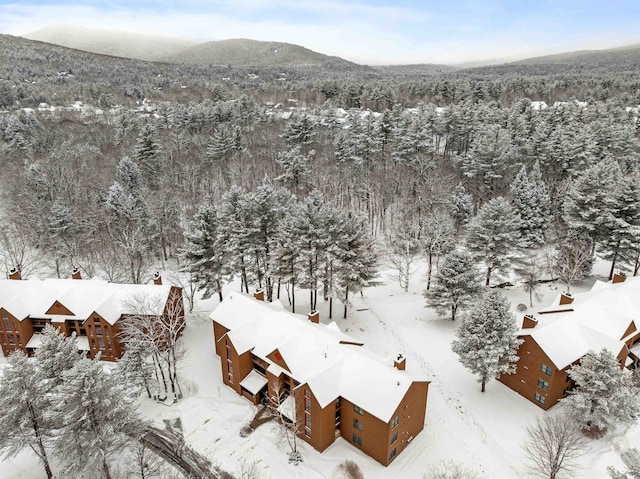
332, 363
254, 382
595, 319
33, 298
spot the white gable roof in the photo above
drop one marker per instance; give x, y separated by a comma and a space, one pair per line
325, 358
34, 297
595, 319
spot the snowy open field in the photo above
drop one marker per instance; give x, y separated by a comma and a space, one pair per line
481, 431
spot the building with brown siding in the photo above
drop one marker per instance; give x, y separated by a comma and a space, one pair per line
558, 336
92, 309
325, 381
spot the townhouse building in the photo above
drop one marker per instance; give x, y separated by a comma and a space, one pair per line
322, 379
92, 309
558, 336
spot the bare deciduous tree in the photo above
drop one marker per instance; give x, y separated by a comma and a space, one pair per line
283, 407
451, 470
158, 325
554, 443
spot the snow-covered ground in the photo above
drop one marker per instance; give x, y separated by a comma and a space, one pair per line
483, 431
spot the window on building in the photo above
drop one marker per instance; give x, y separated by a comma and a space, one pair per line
307, 424
542, 384
229, 363
7, 325
356, 439
546, 369
11, 339
539, 398
307, 401
101, 343
5, 315
98, 330
96, 319
357, 424
395, 422
393, 453
358, 409
394, 438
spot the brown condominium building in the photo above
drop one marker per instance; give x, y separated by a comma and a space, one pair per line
90, 308
607, 316
323, 380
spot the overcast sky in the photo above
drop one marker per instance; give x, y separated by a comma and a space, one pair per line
372, 32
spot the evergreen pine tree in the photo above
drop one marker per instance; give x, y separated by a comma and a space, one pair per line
205, 253
461, 206
24, 416
299, 131
456, 284
295, 168
356, 260
56, 354
96, 415
494, 236
531, 202
591, 199
148, 156
487, 341
622, 242
287, 257
604, 393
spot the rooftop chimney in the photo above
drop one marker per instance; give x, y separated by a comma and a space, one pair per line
618, 278
15, 274
259, 295
400, 362
529, 322
157, 279
314, 316
75, 274
566, 298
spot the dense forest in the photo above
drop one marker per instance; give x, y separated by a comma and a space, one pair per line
114, 165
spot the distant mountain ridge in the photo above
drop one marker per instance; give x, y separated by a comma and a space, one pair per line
111, 42
625, 54
244, 52
235, 52
254, 53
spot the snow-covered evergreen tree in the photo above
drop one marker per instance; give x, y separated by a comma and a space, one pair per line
24, 415
591, 200
455, 285
264, 209
494, 236
206, 253
531, 202
287, 258
148, 155
356, 259
235, 230
299, 131
96, 413
135, 368
487, 341
604, 392
623, 241
461, 206
295, 167
56, 354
